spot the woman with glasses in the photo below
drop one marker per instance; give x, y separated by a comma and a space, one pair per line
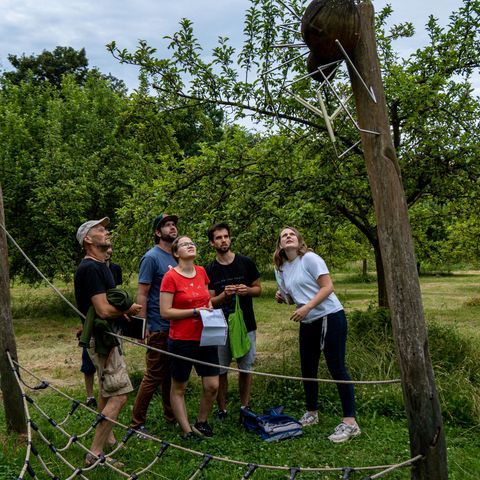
183, 294
303, 278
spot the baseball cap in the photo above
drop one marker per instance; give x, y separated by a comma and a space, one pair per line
84, 228
164, 217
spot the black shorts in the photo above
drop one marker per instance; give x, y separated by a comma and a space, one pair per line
88, 368
180, 369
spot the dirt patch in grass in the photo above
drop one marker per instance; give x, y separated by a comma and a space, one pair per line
51, 355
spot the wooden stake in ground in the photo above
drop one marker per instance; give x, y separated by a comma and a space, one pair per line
403, 288
12, 396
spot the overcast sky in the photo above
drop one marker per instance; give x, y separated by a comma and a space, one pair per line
31, 26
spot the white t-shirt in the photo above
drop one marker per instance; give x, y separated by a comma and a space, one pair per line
299, 280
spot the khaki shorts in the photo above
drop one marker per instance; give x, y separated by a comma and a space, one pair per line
113, 377
243, 363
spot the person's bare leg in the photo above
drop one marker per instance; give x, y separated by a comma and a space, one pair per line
89, 380
111, 440
209, 393
349, 420
245, 387
222, 392
177, 400
111, 409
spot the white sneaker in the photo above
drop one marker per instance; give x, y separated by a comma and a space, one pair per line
309, 419
344, 432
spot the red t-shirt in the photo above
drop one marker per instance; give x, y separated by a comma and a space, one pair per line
188, 293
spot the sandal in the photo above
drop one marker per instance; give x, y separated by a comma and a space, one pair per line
90, 459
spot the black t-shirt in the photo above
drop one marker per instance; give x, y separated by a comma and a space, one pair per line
91, 278
241, 270
116, 270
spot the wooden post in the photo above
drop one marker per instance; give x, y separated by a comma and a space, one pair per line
424, 416
12, 396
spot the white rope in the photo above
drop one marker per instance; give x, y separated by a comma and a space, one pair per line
233, 369
254, 372
395, 467
29, 426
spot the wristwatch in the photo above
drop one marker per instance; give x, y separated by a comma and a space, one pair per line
195, 312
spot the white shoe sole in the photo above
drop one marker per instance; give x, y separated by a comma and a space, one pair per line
345, 439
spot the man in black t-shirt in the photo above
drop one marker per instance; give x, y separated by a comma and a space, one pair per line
88, 368
232, 274
92, 281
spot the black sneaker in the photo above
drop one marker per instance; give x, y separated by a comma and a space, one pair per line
221, 415
91, 402
203, 429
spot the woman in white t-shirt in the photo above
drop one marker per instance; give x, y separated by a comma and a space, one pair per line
303, 279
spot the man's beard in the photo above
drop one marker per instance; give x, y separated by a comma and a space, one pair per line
223, 249
168, 238
101, 245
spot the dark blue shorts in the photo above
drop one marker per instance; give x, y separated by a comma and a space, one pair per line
88, 368
180, 369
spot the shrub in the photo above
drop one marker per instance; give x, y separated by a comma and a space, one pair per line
456, 366
452, 352
454, 359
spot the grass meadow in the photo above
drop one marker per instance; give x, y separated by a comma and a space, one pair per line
45, 331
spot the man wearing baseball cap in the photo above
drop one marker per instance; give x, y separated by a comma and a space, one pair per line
153, 266
92, 280
88, 368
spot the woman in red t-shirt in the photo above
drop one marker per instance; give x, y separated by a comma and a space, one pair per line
183, 293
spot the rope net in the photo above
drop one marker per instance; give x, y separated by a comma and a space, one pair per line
75, 440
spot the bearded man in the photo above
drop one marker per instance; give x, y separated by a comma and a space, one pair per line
153, 266
233, 274
93, 279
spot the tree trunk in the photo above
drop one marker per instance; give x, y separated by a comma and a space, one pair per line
424, 416
12, 396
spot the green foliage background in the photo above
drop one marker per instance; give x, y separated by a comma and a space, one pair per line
75, 145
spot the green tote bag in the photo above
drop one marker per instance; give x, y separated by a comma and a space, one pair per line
237, 332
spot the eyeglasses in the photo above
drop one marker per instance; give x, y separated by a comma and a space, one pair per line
187, 244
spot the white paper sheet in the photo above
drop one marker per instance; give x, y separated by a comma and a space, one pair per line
214, 328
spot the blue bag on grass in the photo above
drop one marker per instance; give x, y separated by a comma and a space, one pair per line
273, 425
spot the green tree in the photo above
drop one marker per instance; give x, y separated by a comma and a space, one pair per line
430, 97
62, 161
78, 151
249, 180
51, 66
